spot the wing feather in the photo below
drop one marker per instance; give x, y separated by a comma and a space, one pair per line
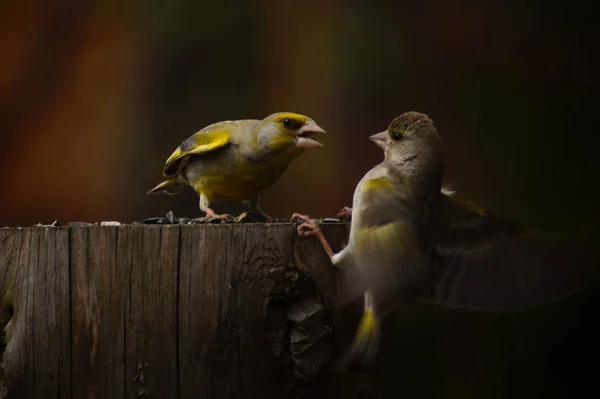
386, 258
486, 263
204, 141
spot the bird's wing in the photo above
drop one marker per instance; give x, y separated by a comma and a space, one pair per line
484, 263
386, 263
386, 258
204, 141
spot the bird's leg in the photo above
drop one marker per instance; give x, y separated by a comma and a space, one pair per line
204, 207
254, 206
210, 214
345, 214
309, 228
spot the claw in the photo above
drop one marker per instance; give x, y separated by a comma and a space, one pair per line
210, 214
345, 214
308, 227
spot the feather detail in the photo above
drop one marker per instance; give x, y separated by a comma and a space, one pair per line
206, 140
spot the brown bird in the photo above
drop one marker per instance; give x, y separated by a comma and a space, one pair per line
411, 239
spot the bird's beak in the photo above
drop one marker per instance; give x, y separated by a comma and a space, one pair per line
303, 136
379, 139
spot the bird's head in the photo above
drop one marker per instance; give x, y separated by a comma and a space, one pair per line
287, 131
412, 146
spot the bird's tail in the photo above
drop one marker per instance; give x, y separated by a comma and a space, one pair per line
364, 348
171, 187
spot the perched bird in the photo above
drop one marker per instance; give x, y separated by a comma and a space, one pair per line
411, 239
236, 161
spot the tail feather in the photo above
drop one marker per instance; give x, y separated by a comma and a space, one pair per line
170, 187
364, 348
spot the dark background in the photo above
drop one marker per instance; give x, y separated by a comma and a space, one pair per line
95, 95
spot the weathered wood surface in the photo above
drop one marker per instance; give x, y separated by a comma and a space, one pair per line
192, 311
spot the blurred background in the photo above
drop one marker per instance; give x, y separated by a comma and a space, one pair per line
94, 96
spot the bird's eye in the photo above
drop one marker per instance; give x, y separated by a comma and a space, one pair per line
396, 136
291, 123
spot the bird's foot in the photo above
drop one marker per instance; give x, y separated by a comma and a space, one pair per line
308, 227
210, 214
345, 214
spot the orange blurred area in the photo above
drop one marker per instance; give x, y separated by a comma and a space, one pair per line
95, 96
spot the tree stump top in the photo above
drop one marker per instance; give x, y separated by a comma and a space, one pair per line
168, 311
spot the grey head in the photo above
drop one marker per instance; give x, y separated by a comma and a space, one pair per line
414, 150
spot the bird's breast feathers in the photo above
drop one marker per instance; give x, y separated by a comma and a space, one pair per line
232, 178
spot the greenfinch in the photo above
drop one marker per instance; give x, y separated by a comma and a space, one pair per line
235, 161
412, 239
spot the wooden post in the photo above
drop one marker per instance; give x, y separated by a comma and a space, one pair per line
173, 311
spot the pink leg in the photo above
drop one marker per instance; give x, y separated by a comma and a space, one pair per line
205, 207
211, 214
309, 228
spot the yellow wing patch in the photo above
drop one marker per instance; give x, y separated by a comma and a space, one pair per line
378, 184
199, 143
369, 323
467, 206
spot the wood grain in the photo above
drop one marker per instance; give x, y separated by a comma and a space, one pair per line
37, 356
151, 314
98, 338
227, 275
194, 311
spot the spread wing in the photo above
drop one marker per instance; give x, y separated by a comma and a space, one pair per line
485, 263
204, 141
384, 249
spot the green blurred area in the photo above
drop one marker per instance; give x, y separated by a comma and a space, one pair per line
94, 96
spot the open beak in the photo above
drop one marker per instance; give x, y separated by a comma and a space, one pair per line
379, 139
304, 136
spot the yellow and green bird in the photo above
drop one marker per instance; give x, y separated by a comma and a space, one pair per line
235, 161
412, 240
